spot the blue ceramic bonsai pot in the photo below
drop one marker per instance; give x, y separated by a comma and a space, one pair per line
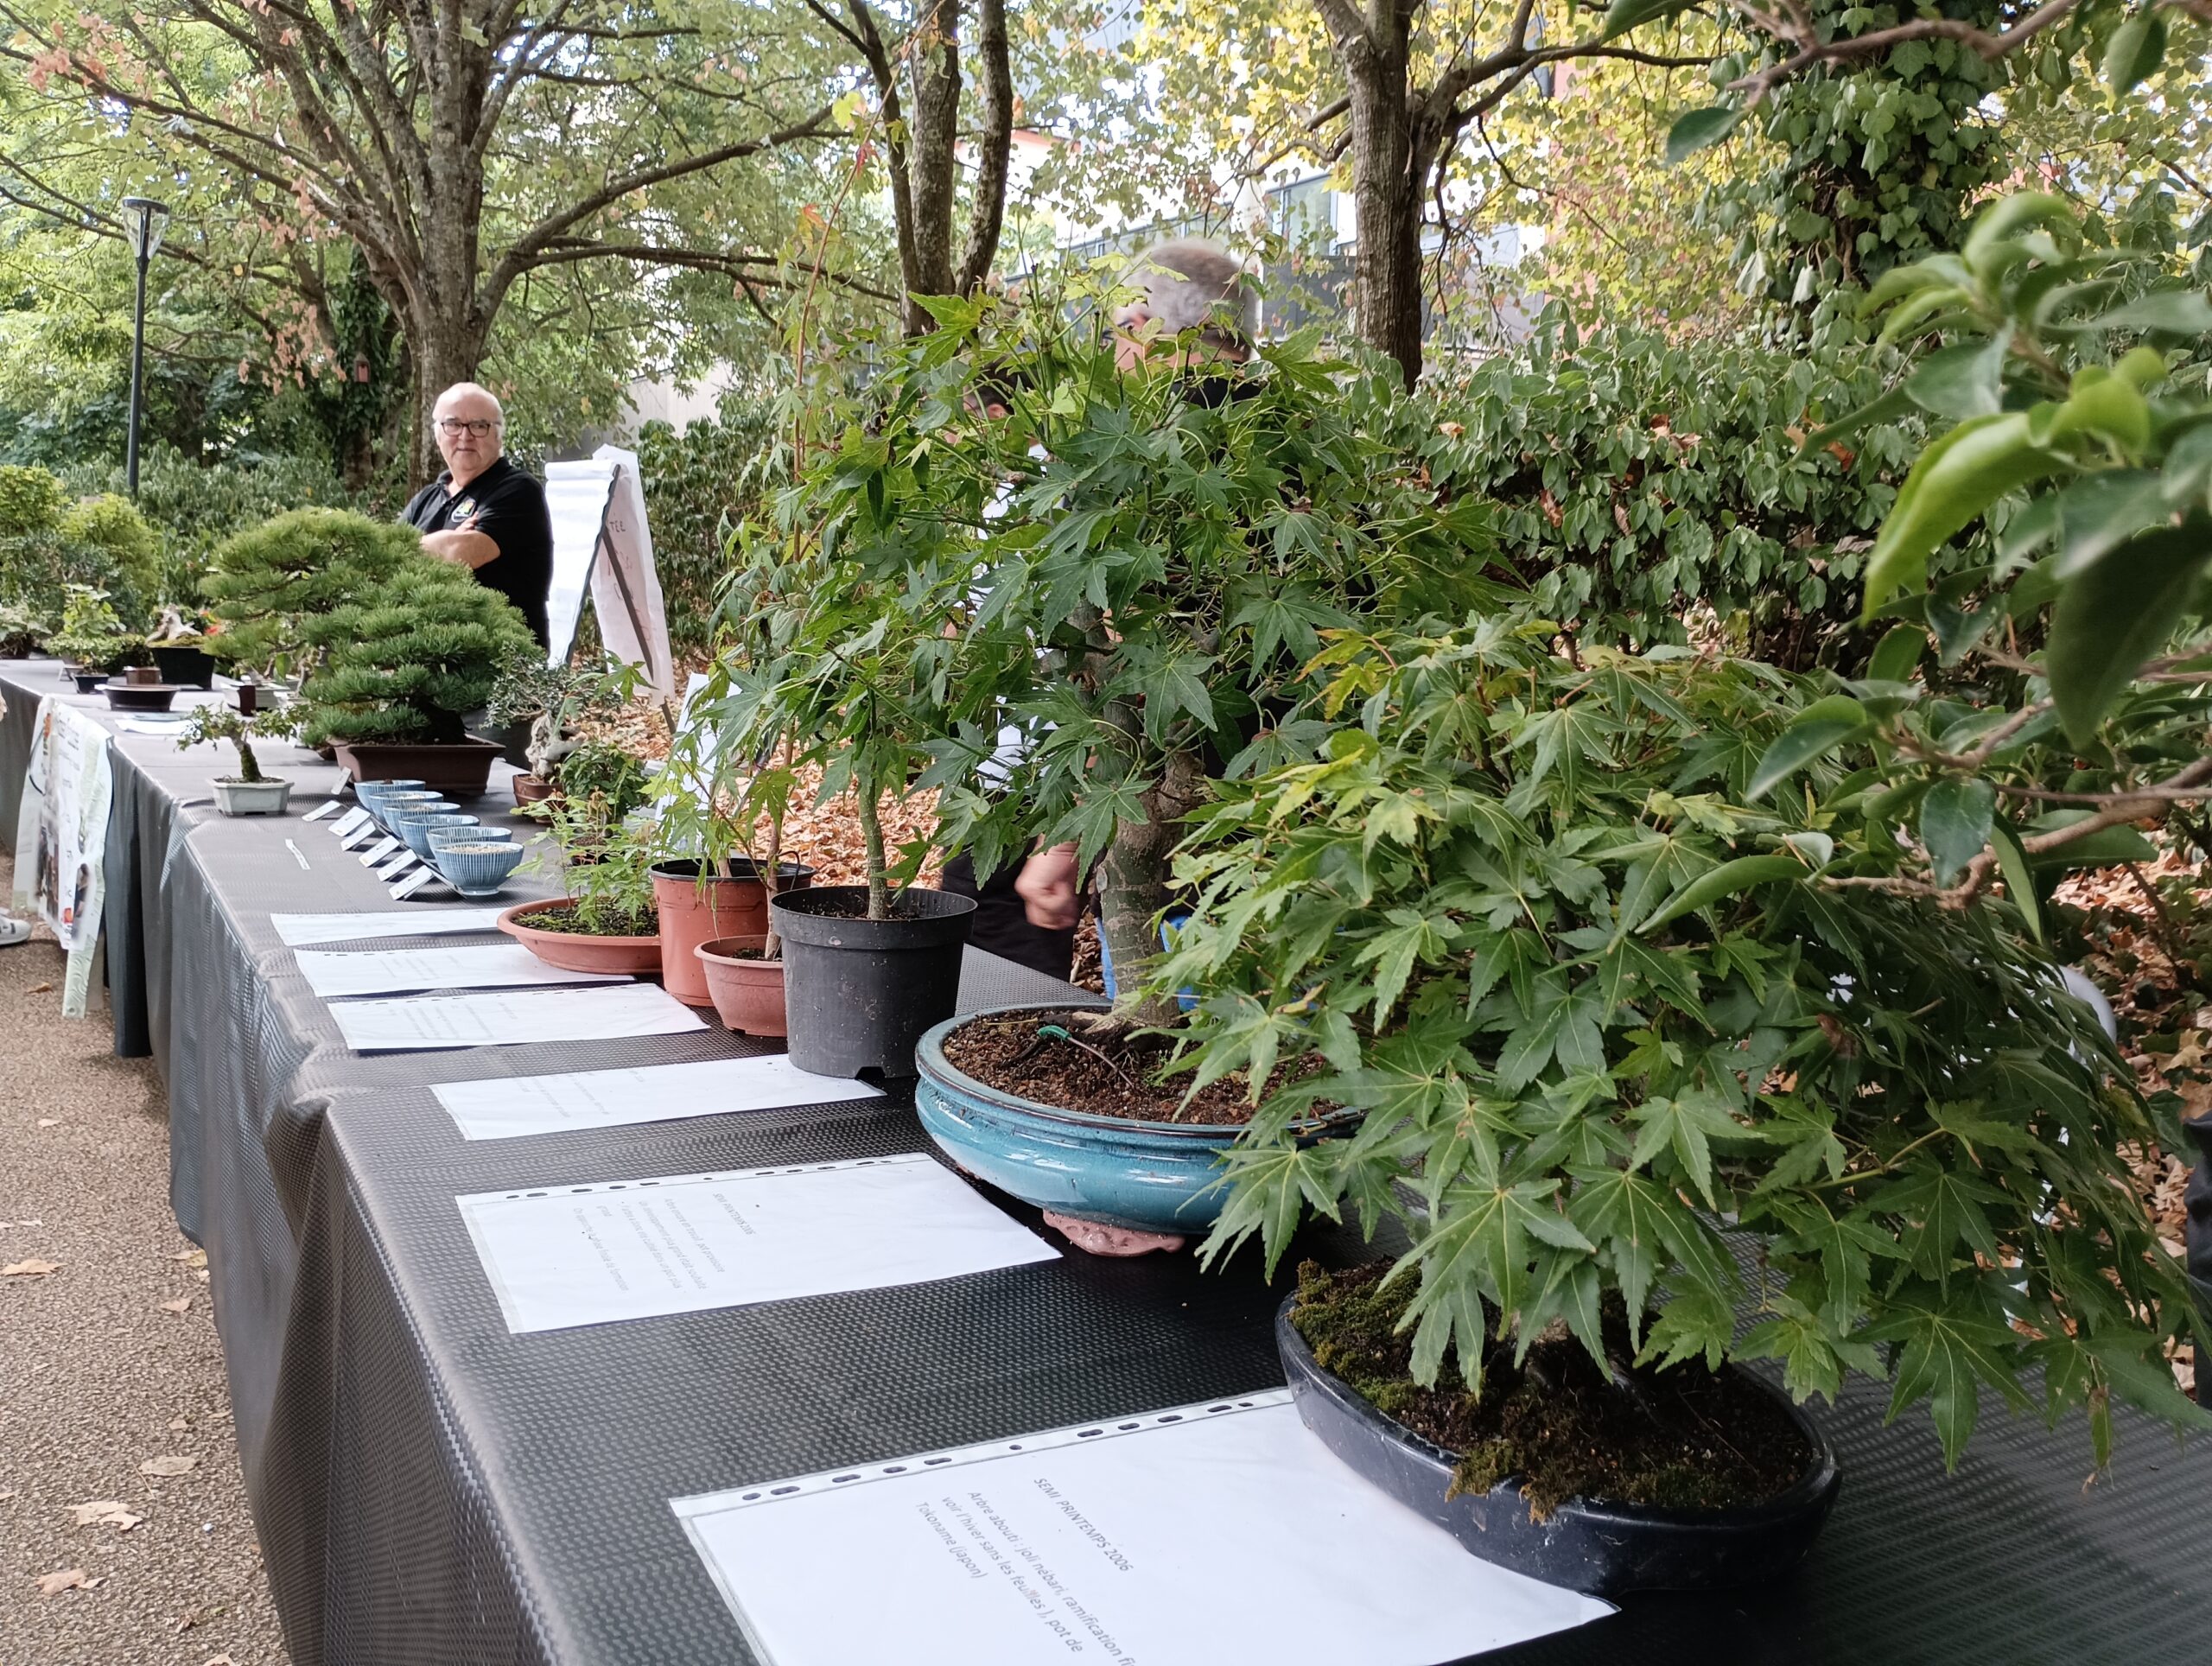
1140, 1177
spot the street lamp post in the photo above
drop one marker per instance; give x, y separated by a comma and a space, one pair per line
143, 221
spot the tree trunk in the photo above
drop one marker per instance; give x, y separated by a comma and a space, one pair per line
935, 128
1133, 884
1390, 162
447, 349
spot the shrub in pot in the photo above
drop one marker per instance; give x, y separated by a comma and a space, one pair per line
549, 700
91, 641
1595, 1006
607, 923
1175, 539
400, 667
249, 793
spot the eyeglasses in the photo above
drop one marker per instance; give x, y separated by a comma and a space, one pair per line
452, 426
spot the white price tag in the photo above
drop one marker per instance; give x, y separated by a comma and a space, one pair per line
352, 821
377, 852
360, 837
327, 807
399, 865
412, 883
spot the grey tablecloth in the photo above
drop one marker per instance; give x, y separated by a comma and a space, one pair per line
430, 1489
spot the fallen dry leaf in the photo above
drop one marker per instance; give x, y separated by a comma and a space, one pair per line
7, 1493
183, 1304
220, 1660
177, 1423
195, 1257
168, 1465
50, 1122
67, 1579
40, 988
186, 1621
106, 1512
30, 1269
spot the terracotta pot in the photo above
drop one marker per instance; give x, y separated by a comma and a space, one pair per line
732, 904
534, 789
749, 992
462, 768
572, 953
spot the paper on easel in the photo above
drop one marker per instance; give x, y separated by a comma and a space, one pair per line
500, 1108
389, 971
411, 1023
565, 1255
304, 930
1218, 1531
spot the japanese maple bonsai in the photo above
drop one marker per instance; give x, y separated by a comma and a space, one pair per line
249, 793
607, 922
400, 668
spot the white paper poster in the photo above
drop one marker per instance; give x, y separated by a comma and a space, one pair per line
493, 1019
62, 838
1218, 1532
388, 972
587, 1254
601, 538
500, 1108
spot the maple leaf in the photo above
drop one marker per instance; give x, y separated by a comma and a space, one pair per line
67, 1579
30, 1269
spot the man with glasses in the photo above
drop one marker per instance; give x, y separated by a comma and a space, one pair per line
483, 513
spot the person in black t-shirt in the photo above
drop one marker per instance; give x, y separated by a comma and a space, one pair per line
483, 513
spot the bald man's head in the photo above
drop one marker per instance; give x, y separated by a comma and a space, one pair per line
470, 430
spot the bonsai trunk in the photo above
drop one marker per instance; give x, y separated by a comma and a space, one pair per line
879, 886
1133, 886
772, 947
249, 767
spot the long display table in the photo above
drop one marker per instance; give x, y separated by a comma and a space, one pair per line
429, 1488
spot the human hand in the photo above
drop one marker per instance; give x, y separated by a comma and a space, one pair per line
1046, 886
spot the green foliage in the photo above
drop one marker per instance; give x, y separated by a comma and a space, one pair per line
48, 542
613, 887
268, 586
92, 634
700, 485
22, 630
550, 698
409, 658
605, 777
218, 723
1585, 1003
1636, 478
1876, 164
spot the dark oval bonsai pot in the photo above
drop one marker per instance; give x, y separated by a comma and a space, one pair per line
139, 696
859, 994
731, 902
1605, 1549
462, 768
88, 681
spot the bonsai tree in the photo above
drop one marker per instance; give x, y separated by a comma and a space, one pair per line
407, 661
213, 722
551, 698
22, 629
1586, 1002
606, 868
604, 776
267, 585
92, 635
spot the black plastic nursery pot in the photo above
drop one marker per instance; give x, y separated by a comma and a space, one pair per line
858, 993
1605, 1549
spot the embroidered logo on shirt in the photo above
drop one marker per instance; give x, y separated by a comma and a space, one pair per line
465, 508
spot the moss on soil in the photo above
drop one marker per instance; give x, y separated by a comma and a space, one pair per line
1685, 1438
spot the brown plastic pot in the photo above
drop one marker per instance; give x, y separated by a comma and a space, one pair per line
462, 768
640, 955
534, 789
732, 903
748, 991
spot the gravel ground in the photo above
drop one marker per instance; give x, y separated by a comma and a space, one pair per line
98, 1378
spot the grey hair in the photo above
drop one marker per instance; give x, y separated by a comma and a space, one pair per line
499, 410
1189, 283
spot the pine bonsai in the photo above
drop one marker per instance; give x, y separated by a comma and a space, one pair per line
409, 659
267, 584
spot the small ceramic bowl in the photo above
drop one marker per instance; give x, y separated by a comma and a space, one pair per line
413, 826
390, 806
366, 793
478, 868
465, 829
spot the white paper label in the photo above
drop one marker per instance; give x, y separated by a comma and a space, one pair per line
587, 1254
413, 882
501, 1107
327, 807
351, 821
390, 971
400, 862
305, 930
377, 852
502, 1019
1158, 1539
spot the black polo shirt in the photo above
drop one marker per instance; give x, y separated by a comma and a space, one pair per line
508, 507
